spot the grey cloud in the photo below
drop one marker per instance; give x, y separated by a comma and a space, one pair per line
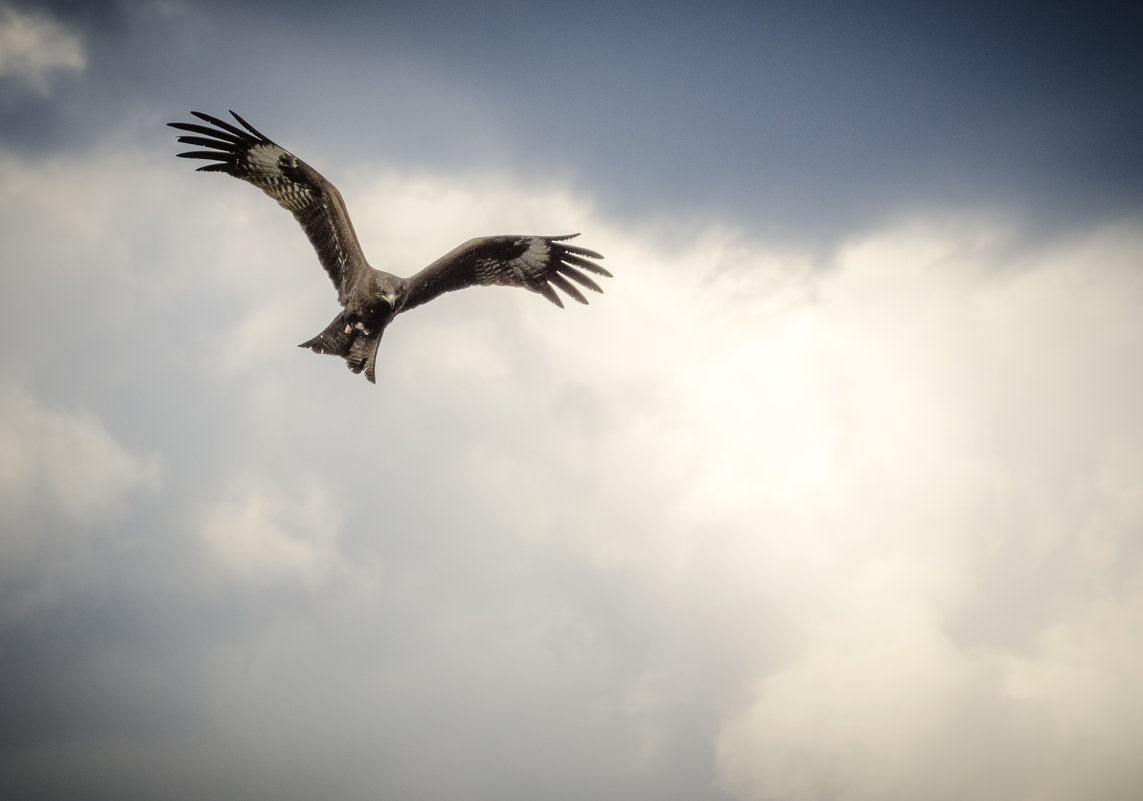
33, 47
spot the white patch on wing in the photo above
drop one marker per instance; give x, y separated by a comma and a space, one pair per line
536, 256
263, 164
263, 160
532, 263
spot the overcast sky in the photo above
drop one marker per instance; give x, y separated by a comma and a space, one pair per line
836, 493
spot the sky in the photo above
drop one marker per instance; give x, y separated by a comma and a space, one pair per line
836, 494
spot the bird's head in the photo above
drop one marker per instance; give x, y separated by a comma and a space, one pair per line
390, 290
374, 301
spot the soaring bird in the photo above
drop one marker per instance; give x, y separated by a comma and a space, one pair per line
372, 298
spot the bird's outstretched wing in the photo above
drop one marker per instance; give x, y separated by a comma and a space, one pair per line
299, 188
538, 263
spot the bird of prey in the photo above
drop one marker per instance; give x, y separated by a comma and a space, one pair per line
371, 298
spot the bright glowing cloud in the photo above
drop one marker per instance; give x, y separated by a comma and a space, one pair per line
974, 507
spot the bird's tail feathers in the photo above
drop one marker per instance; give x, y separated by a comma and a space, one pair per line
363, 354
357, 348
333, 339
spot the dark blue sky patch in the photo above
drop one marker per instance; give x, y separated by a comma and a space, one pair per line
804, 121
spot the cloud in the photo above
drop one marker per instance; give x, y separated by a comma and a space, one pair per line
65, 460
961, 508
35, 47
885, 704
269, 536
858, 526
63, 479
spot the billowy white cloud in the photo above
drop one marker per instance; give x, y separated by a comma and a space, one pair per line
969, 513
861, 529
34, 47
